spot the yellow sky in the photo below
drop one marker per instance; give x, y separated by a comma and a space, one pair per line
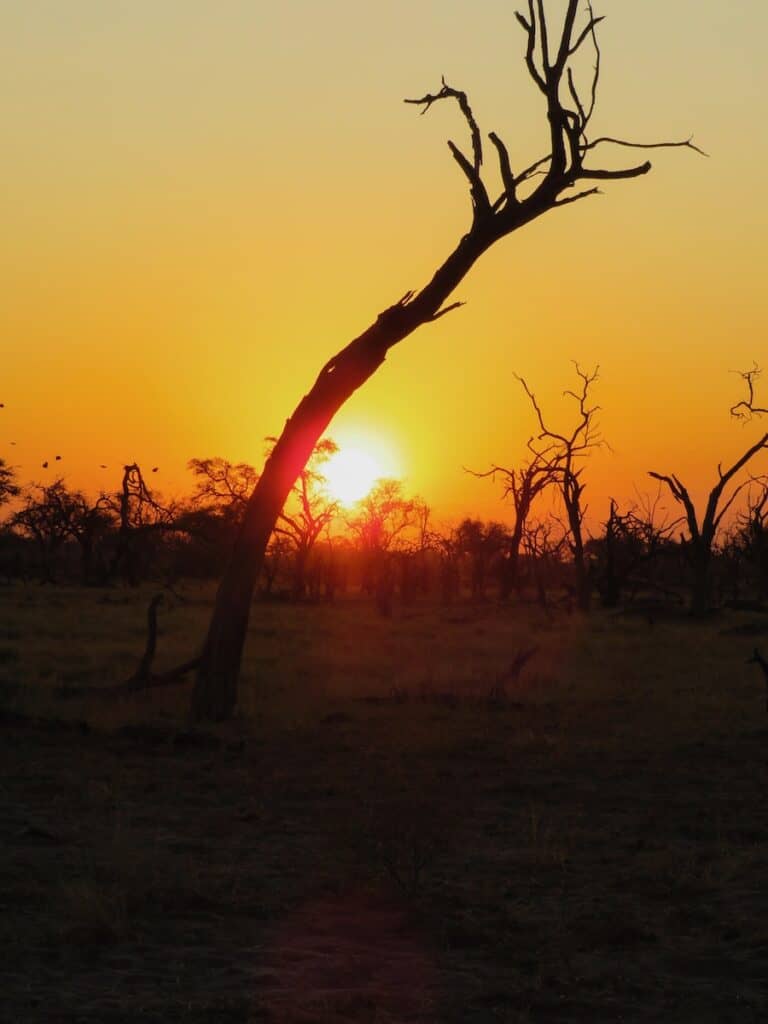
202, 201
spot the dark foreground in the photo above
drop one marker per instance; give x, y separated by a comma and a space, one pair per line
580, 852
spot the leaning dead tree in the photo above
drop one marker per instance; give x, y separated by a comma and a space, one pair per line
565, 174
702, 533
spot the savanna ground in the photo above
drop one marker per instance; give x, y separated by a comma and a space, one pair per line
373, 839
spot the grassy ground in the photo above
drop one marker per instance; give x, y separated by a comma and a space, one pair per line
374, 840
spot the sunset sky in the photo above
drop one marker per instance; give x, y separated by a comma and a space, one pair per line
203, 201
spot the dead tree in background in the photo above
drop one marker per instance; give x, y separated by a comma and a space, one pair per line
753, 528
702, 535
544, 543
139, 512
630, 543
522, 486
561, 176
564, 454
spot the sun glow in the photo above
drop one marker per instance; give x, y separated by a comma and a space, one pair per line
350, 474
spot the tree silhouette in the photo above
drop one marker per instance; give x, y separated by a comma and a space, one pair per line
379, 520
753, 530
482, 542
310, 513
8, 486
43, 519
561, 176
544, 542
139, 515
623, 557
702, 533
563, 453
87, 522
522, 486
223, 486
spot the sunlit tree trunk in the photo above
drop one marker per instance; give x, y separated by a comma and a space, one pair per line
215, 691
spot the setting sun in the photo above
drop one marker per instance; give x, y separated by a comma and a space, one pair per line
350, 474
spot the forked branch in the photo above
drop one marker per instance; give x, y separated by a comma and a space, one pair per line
746, 408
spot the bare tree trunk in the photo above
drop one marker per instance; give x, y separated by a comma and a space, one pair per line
701, 585
215, 692
583, 582
510, 575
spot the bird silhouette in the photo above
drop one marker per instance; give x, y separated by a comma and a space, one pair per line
102, 467
45, 464
58, 458
155, 469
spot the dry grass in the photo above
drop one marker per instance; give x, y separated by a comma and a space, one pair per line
374, 840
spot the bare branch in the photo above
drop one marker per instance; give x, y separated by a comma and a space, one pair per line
480, 199
446, 309
626, 172
587, 30
729, 502
746, 408
544, 33
507, 177
564, 50
446, 92
681, 495
471, 168
577, 100
679, 144
579, 195
598, 60
530, 53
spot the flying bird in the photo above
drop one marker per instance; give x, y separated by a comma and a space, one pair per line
58, 458
155, 469
45, 464
102, 467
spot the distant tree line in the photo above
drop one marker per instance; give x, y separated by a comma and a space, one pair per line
389, 547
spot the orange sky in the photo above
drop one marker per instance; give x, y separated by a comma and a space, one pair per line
201, 202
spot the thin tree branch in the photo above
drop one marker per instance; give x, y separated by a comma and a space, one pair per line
507, 177
627, 172
679, 144
748, 404
446, 309
579, 195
